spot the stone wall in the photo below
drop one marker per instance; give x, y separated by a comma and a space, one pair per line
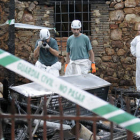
27, 13
120, 66
111, 40
113, 26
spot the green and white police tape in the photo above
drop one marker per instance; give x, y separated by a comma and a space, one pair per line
70, 92
25, 26
10, 22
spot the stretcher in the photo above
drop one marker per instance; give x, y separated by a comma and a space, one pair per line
88, 82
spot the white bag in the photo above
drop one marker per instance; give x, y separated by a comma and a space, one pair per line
54, 69
81, 66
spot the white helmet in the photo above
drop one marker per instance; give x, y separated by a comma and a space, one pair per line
76, 24
44, 34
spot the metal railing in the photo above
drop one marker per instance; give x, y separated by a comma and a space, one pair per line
30, 119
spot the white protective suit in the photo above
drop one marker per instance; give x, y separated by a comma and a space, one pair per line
135, 51
54, 69
81, 66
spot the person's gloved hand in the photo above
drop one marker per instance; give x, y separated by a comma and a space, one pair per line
39, 43
65, 67
93, 68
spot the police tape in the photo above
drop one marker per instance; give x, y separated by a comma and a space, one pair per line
25, 26
10, 22
70, 92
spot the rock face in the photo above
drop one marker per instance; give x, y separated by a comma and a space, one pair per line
130, 3
25, 39
119, 6
113, 26
117, 15
124, 29
116, 34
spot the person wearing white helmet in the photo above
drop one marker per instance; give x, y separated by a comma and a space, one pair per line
46, 50
135, 51
80, 56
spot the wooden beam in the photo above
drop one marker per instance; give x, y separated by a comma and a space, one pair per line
11, 42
